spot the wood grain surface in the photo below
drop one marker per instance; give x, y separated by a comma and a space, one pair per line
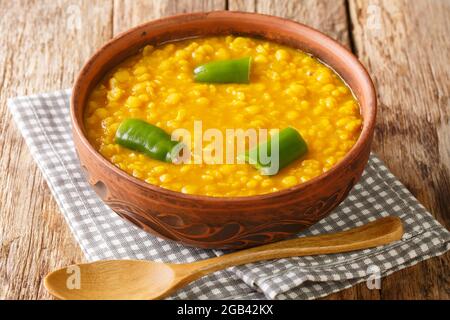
404, 45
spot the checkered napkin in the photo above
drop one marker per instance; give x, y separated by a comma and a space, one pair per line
45, 124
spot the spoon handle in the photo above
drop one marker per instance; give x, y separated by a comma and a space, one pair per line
373, 234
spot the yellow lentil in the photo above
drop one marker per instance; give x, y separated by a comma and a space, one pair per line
287, 88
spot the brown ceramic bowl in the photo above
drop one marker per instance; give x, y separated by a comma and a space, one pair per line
234, 222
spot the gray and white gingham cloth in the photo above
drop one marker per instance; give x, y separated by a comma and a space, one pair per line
45, 124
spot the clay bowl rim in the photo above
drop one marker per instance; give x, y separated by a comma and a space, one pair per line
366, 133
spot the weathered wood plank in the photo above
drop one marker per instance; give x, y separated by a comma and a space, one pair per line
44, 43
327, 16
407, 49
129, 13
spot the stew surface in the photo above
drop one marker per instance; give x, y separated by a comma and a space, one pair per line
287, 88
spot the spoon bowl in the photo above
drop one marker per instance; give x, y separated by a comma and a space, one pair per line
111, 280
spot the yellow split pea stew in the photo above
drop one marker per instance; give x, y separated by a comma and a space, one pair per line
223, 83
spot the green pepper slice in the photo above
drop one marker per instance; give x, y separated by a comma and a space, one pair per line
291, 146
225, 71
138, 135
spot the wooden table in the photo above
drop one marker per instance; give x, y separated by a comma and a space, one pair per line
404, 44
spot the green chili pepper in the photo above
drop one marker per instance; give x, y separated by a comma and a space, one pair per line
136, 134
291, 146
226, 71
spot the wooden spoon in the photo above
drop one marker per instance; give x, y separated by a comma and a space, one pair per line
141, 279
